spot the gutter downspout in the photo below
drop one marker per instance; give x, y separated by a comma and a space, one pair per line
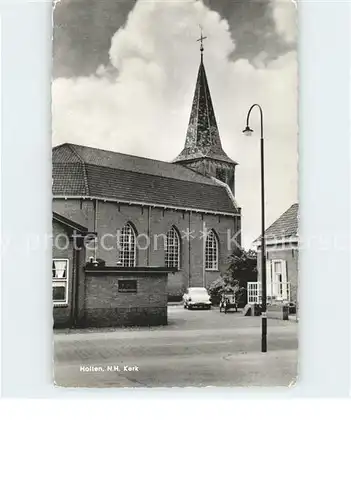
95, 228
149, 236
76, 270
189, 253
204, 255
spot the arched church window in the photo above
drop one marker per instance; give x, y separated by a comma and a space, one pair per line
211, 251
172, 248
127, 246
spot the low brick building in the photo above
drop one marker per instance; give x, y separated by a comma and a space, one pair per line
117, 296
92, 294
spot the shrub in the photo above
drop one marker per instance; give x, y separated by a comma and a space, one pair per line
223, 284
215, 290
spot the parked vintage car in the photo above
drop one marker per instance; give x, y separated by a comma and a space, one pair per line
196, 297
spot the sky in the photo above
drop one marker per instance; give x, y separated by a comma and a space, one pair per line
124, 74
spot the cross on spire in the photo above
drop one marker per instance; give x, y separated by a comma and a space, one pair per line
201, 40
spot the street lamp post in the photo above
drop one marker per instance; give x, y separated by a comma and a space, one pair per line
248, 131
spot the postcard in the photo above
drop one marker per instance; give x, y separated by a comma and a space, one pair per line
175, 194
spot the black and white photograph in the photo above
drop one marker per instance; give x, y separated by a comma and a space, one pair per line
175, 202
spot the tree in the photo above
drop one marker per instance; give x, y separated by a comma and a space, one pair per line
242, 269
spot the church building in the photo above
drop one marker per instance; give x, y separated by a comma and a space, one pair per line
180, 214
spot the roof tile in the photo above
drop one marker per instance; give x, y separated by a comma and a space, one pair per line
74, 153
286, 226
108, 176
69, 179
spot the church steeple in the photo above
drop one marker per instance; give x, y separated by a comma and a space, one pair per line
203, 148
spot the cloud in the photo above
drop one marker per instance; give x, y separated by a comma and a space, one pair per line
284, 14
141, 104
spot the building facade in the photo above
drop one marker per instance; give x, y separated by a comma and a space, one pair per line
150, 213
282, 253
68, 262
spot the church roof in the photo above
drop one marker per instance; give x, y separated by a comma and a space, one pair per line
78, 154
202, 137
80, 171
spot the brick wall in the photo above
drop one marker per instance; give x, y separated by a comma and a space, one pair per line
107, 217
105, 305
80, 211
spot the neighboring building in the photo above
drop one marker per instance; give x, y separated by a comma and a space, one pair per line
152, 213
282, 251
68, 261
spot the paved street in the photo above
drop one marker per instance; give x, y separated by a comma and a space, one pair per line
197, 348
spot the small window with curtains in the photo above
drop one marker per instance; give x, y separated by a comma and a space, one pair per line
127, 246
172, 249
211, 252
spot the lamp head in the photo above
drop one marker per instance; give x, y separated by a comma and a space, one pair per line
247, 131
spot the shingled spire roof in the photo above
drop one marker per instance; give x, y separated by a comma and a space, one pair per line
202, 138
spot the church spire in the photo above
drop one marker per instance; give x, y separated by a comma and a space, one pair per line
202, 137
